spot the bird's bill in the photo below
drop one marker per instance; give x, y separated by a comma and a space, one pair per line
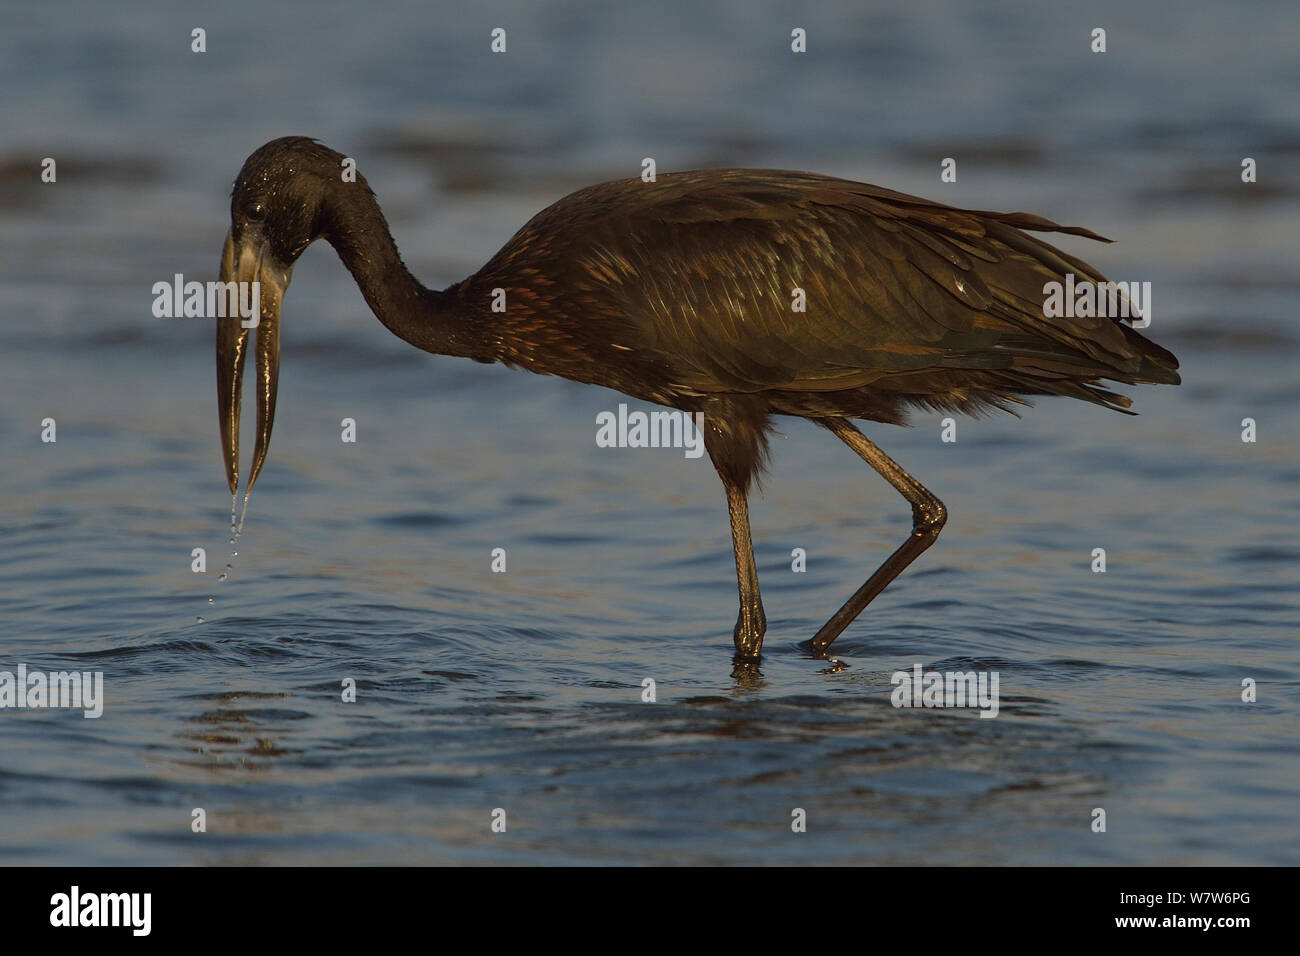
249, 261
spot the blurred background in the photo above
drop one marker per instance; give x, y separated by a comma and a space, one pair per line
523, 691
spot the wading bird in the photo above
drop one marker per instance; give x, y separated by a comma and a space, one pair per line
680, 292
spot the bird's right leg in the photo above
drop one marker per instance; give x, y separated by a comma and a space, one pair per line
928, 517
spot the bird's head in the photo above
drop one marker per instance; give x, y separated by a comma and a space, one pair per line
278, 208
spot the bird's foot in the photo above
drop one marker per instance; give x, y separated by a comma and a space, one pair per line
811, 647
819, 654
744, 670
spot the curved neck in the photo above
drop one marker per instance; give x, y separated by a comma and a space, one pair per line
439, 322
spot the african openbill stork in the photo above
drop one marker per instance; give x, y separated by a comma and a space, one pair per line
679, 292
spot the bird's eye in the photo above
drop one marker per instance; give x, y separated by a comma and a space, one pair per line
256, 212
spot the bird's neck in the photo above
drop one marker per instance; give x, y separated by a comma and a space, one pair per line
437, 322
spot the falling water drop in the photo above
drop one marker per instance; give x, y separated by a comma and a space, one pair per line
242, 515
236, 529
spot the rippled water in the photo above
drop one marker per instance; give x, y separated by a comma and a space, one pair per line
523, 690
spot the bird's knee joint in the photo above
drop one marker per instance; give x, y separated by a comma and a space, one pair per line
928, 519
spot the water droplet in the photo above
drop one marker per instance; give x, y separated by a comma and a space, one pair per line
242, 515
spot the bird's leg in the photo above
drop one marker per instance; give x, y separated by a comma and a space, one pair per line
928, 517
752, 622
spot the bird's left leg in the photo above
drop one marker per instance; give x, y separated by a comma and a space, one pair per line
928, 517
751, 625
735, 436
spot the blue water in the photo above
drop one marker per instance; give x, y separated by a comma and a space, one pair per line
522, 690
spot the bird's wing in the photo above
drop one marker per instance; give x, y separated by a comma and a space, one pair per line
711, 269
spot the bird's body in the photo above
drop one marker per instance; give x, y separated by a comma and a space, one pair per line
738, 293
681, 289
